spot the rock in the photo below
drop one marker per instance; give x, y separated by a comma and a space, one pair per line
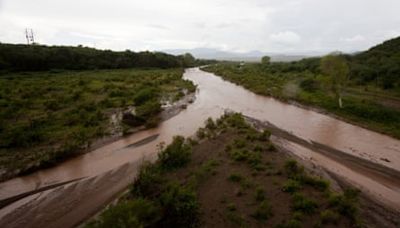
131, 119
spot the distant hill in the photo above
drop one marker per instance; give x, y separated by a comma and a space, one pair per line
380, 64
252, 56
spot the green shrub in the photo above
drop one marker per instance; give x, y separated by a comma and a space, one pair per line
346, 203
133, 213
292, 223
292, 168
236, 219
254, 159
309, 85
271, 147
231, 207
239, 155
181, 207
263, 211
210, 124
329, 216
291, 186
265, 135
303, 204
239, 143
316, 182
149, 183
175, 155
203, 172
260, 194
148, 109
145, 95
228, 148
201, 133
236, 120
152, 122
235, 177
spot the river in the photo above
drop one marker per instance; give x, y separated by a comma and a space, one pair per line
65, 195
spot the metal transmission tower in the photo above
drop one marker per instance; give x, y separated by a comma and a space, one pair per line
29, 36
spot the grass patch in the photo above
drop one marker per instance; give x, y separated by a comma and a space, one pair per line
291, 186
259, 194
263, 211
346, 204
235, 177
303, 204
236, 219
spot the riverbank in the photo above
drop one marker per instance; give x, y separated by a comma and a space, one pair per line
309, 90
48, 117
234, 177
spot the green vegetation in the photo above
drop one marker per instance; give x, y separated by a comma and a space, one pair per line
19, 57
175, 155
134, 213
379, 66
337, 69
260, 194
46, 117
263, 211
303, 204
204, 186
313, 82
172, 204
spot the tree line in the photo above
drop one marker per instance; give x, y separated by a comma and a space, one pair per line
19, 57
379, 65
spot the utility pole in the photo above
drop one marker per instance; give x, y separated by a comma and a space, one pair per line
32, 39
29, 36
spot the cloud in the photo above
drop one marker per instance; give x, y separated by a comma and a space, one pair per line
356, 38
232, 25
286, 37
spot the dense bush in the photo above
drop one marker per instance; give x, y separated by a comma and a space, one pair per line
145, 95
176, 154
132, 213
380, 64
263, 211
149, 182
180, 207
309, 85
346, 203
303, 204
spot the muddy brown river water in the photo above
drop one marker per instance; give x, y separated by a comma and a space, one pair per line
65, 195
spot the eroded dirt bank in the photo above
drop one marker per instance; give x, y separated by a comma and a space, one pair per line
103, 173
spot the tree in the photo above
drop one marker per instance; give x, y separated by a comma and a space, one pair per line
188, 59
337, 69
265, 60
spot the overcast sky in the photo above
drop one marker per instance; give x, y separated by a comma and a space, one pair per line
285, 26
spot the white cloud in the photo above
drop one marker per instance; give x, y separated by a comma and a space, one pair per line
232, 25
286, 37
